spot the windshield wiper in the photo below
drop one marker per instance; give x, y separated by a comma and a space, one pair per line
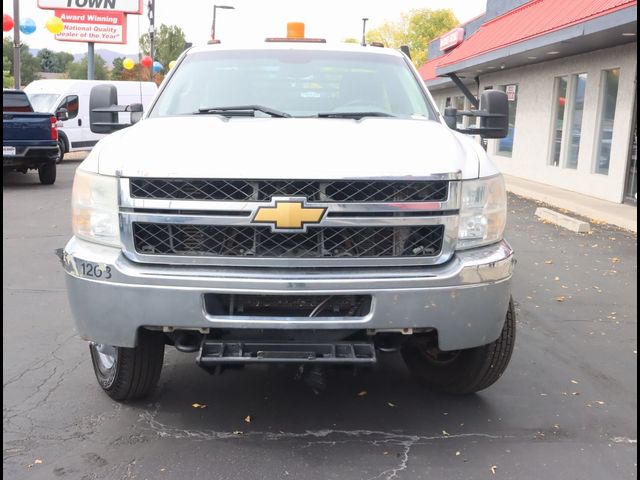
356, 115
243, 111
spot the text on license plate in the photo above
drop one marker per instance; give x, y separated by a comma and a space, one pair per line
8, 151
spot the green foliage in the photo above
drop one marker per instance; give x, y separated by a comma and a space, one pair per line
7, 79
170, 42
49, 61
415, 29
350, 40
118, 69
78, 70
29, 65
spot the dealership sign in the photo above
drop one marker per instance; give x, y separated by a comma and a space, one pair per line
91, 26
123, 6
451, 39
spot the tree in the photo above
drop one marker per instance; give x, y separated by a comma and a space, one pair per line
78, 70
350, 40
415, 29
64, 59
7, 79
49, 61
170, 42
118, 69
29, 65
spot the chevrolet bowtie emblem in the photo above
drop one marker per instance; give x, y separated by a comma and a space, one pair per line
289, 215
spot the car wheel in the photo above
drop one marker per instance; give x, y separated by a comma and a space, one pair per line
61, 151
462, 371
129, 373
47, 173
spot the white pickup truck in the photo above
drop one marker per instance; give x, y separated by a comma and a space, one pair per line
296, 202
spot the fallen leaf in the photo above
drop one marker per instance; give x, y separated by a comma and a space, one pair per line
444, 432
248, 419
457, 454
561, 298
615, 260
385, 453
362, 393
37, 461
494, 468
198, 405
575, 393
599, 402
391, 404
548, 262
238, 432
575, 382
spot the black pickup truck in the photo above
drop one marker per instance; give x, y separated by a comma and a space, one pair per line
29, 140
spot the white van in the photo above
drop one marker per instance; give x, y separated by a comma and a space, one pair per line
74, 133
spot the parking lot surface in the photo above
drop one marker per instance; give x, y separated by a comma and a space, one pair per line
566, 407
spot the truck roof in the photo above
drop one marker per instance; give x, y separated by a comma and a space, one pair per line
291, 45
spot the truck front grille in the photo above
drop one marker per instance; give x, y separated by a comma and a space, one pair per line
328, 242
361, 191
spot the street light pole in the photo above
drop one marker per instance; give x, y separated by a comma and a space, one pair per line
213, 24
16, 44
364, 30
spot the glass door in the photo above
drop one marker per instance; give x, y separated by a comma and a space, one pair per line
631, 187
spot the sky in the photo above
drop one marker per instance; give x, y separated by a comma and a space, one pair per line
251, 20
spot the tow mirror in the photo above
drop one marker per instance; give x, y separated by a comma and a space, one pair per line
62, 114
495, 122
104, 110
493, 115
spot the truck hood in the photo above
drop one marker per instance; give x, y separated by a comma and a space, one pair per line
297, 148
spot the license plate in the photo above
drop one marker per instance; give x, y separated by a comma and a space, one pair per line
8, 151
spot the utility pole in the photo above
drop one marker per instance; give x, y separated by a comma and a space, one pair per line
91, 69
151, 7
364, 31
16, 44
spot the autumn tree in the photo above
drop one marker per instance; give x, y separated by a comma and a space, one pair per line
414, 29
170, 42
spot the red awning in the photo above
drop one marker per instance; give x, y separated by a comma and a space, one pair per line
532, 19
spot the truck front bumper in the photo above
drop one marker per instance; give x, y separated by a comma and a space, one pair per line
465, 300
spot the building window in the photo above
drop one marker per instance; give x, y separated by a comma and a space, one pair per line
560, 102
609, 97
505, 145
456, 102
579, 87
569, 92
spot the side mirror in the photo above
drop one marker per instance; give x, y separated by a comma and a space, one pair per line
104, 110
62, 114
450, 114
136, 110
495, 104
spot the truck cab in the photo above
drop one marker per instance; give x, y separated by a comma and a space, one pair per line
293, 202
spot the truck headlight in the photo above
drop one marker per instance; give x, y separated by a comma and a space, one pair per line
483, 213
94, 206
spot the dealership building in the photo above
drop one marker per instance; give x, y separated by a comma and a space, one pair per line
569, 70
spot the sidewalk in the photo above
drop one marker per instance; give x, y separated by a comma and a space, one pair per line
621, 215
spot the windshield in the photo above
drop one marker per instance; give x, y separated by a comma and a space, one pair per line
43, 102
298, 83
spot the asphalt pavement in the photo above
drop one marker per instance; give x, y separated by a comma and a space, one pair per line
565, 409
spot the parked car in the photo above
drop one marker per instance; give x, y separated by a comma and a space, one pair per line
253, 223
29, 140
74, 134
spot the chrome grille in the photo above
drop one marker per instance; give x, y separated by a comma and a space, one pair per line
248, 241
263, 190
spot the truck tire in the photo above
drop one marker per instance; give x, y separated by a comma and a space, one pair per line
47, 173
463, 371
61, 150
129, 373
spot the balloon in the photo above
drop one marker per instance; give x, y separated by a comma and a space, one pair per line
172, 64
146, 61
27, 26
7, 22
128, 64
54, 25
157, 66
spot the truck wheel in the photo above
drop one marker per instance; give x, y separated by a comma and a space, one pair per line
129, 373
47, 173
462, 371
60, 151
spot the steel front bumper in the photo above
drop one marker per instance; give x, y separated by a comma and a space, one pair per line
465, 300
